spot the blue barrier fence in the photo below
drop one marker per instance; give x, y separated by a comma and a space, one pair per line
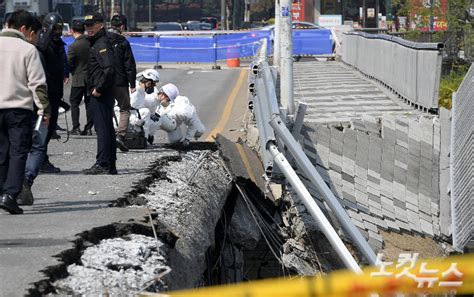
218, 47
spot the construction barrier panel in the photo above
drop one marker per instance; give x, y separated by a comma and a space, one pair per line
451, 275
216, 46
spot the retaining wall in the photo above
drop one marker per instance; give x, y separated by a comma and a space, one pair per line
385, 172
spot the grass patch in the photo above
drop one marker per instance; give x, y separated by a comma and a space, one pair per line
450, 83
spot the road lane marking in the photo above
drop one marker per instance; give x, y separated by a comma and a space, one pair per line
227, 108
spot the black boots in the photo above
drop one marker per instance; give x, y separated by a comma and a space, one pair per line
120, 140
98, 169
26, 196
49, 168
9, 204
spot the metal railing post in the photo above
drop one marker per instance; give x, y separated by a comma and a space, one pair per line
214, 38
157, 44
314, 209
313, 175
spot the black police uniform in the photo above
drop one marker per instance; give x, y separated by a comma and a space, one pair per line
53, 55
101, 78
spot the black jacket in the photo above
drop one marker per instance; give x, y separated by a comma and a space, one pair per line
124, 61
53, 56
78, 60
100, 71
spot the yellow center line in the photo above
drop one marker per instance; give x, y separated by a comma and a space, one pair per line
227, 108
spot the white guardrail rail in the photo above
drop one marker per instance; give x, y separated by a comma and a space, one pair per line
275, 137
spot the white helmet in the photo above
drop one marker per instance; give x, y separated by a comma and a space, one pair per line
151, 74
170, 90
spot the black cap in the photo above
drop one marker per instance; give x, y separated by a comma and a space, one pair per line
78, 25
91, 19
118, 20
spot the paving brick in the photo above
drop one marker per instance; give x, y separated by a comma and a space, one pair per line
362, 198
399, 203
375, 236
401, 214
404, 226
368, 217
361, 188
347, 177
414, 221
370, 226
399, 176
372, 180
349, 197
392, 225
434, 208
401, 154
386, 188
382, 223
411, 198
426, 227
375, 244
412, 207
350, 205
388, 213
424, 216
364, 233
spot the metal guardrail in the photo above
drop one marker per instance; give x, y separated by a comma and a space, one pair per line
462, 160
273, 133
412, 70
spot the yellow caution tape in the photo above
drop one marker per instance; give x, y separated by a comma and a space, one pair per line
433, 276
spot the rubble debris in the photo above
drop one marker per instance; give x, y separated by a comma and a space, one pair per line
117, 266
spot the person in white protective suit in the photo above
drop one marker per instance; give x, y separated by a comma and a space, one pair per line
174, 111
143, 102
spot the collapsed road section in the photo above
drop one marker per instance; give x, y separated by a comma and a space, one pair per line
207, 224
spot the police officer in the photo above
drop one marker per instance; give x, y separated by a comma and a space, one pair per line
125, 75
53, 54
100, 83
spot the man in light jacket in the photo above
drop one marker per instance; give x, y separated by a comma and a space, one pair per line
23, 84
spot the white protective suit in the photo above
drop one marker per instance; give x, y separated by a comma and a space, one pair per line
180, 111
146, 105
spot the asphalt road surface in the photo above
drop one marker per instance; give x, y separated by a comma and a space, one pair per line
70, 202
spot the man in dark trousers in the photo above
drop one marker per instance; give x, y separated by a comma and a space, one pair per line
125, 75
78, 60
100, 82
21, 70
53, 54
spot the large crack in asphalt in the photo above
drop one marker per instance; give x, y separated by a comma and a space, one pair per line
204, 226
185, 195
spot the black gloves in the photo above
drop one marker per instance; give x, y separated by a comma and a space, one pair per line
155, 117
64, 105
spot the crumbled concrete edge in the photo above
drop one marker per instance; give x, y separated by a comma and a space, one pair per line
126, 265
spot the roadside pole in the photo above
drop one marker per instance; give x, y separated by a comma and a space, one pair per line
286, 51
276, 36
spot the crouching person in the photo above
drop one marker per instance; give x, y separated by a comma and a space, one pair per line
173, 112
143, 103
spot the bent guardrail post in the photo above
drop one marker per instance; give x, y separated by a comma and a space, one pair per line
313, 175
299, 118
313, 209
